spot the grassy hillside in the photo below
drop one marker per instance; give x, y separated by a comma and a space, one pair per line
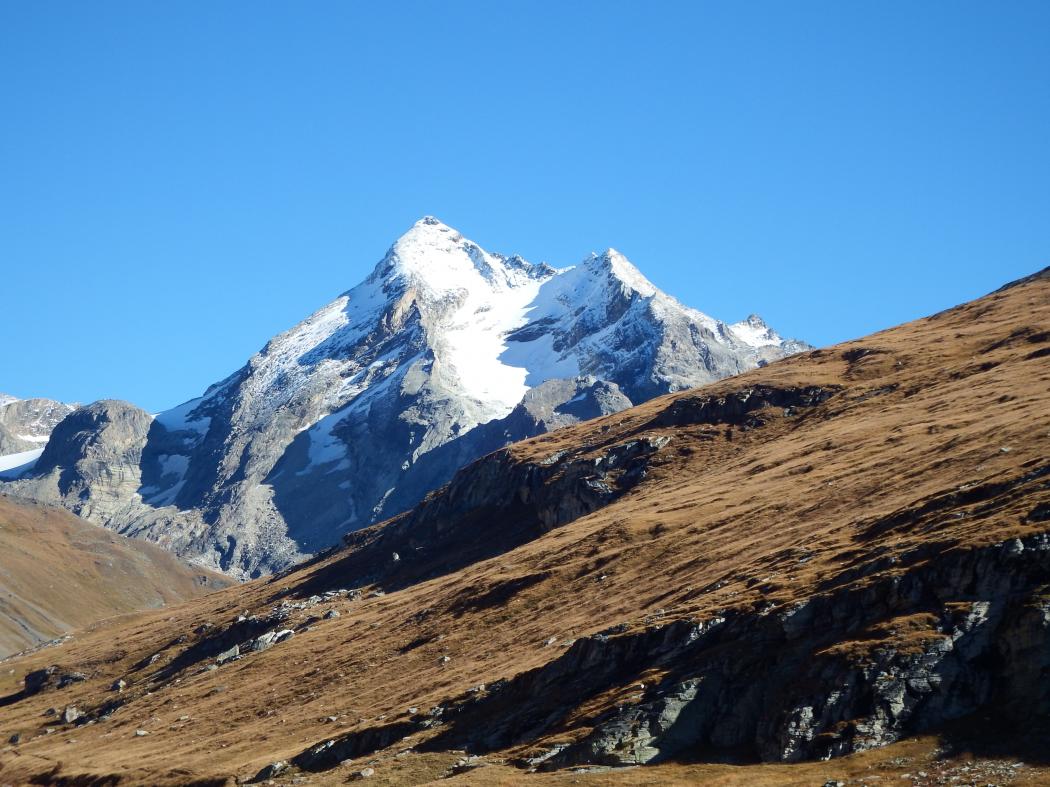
59, 573
813, 531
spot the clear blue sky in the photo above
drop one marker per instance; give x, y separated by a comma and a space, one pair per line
179, 181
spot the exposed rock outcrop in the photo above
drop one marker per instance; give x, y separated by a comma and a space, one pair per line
25, 424
92, 463
844, 671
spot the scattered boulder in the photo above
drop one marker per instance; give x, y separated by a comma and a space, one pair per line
41, 679
15, 739
228, 655
147, 662
331, 614
118, 685
271, 770
141, 733
52, 677
71, 714
264, 641
364, 773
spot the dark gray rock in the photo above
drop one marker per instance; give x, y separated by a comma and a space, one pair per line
49, 678
228, 655
271, 771
799, 682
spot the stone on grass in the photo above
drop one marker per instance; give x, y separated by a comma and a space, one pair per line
228, 655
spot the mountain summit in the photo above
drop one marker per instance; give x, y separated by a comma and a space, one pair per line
444, 353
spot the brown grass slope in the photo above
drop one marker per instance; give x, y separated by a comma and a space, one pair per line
59, 573
928, 442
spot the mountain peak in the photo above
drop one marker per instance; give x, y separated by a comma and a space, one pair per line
428, 228
430, 224
616, 266
435, 258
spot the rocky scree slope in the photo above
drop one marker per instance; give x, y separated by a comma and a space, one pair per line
832, 553
444, 353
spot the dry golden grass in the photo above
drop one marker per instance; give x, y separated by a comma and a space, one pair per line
721, 521
59, 573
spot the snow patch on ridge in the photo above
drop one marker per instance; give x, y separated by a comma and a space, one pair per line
486, 296
179, 419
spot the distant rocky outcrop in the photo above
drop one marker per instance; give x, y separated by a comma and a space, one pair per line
26, 424
92, 463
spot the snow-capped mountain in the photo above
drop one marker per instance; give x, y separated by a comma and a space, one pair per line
25, 425
445, 352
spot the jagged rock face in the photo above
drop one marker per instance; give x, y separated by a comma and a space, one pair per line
25, 424
92, 461
445, 353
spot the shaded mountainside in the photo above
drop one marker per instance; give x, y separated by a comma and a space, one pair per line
443, 354
845, 550
59, 573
